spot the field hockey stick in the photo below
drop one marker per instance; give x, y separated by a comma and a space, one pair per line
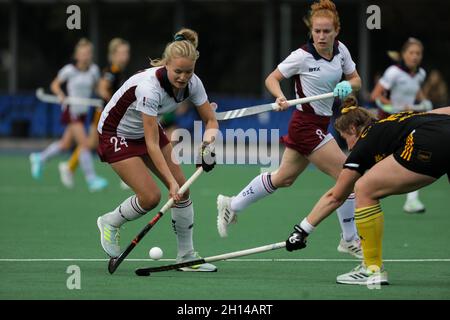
49, 98
244, 112
231, 255
424, 105
115, 262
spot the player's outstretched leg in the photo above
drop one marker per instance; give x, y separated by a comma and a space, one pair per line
183, 226
227, 207
350, 242
225, 215
38, 159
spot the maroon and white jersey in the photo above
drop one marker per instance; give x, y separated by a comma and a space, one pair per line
403, 85
314, 75
148, 92
80, 84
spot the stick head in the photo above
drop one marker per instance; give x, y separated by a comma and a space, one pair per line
112, 265
142, 272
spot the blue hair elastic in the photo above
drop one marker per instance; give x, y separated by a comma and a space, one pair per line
179, 37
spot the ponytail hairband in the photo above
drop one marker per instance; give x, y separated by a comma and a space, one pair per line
347, 109
179, 37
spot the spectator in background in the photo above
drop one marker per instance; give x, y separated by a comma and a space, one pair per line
435, 89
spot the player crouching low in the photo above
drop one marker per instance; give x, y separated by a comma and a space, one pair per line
396, 155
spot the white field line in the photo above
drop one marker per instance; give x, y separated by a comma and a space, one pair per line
230, 260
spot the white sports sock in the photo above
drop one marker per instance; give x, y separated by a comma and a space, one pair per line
346, 216
260, 187
183, 226
412, 195
87, 165
127, 211
51, 151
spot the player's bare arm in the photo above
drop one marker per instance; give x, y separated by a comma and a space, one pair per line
378, 93
55, 87
443, 110
208, 117
354, 79
335, 197
104, 89
273, 85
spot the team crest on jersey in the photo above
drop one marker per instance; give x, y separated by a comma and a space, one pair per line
424, 156
379, 157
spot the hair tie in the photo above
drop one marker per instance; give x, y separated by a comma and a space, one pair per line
179, 37
347, 109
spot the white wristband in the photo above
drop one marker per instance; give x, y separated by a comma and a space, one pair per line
308, 227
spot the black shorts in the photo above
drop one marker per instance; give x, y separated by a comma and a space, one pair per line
426, 150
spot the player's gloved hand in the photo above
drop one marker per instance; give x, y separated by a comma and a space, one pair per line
297, 239
342, 89
207, 157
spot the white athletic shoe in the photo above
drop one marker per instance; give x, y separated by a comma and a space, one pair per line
36, 165
97, 184
351, 247
204, 267
66, 175
364, 276
414, 206
225, 215
109, 238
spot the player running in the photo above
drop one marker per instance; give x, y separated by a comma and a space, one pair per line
398, 90
395, 155
317, 68
132, 142
80, 78
111, 80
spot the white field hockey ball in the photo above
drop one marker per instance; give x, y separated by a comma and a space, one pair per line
155, 253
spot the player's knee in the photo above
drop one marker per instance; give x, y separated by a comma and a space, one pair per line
149, 200
362, 189
84, 145
64, 145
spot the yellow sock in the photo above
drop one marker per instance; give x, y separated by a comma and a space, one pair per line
73, 161
370, 224
96, 117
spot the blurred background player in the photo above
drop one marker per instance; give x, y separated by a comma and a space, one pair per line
112, 78
435, 89
398, 90
317, 68
81, 78
133, 143
392, 156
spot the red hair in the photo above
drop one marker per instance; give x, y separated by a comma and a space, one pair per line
325, 8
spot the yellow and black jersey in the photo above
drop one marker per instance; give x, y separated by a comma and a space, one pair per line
396, 135
115, 76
